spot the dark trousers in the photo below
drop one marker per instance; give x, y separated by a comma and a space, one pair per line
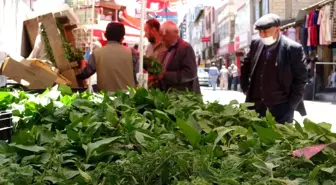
230, 79
281, 112
235, 81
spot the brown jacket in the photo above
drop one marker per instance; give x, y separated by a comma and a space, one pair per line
114, 66
181, 70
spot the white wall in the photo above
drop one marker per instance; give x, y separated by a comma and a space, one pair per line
12, 15
41, 7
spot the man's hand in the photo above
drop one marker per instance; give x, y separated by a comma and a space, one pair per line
154, 79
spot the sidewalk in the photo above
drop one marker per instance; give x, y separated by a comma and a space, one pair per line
316, 111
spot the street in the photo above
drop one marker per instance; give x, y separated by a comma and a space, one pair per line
316, 111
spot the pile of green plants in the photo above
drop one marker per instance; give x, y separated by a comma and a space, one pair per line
152, 66
148, 137
70, 53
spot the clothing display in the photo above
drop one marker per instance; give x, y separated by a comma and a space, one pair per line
291, 33
325, 24
319, 28
333, 21
311, 25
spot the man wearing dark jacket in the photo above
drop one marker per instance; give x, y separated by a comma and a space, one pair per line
179, 63
273, 75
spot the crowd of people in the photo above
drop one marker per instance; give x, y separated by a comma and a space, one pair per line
228, 77
273, 73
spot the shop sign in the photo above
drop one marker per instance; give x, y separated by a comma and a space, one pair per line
206, 39
227, 49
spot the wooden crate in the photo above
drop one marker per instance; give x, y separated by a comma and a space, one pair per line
32, 73
31, 26
55, 40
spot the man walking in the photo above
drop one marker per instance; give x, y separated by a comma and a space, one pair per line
224, 75
213, 73
273, 74
235, 77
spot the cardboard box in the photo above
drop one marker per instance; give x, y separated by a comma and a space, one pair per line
32, 73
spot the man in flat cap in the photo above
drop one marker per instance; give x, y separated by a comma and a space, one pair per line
113, 62
273, 74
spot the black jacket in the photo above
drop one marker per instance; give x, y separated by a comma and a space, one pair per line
292, 72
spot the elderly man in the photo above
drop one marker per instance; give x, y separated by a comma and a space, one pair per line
113, 62
155, 48
179, 64
273, 75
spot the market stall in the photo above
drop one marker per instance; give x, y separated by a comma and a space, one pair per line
315, 29
146, 137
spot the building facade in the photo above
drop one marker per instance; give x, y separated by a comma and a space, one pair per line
183, 28
288, 9
195, 29
226, 32
243, 27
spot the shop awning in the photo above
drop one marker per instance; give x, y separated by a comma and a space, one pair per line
303, 12
288, 23
102, 27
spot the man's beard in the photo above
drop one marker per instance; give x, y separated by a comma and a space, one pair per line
151, 40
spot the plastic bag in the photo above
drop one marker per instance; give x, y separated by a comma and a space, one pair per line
39, 51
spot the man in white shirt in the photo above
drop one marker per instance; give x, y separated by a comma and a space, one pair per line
235, 77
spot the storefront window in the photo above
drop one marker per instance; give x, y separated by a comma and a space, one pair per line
224, 30
265, 7
241, 21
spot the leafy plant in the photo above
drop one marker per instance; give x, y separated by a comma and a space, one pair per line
48, 49
72, 54
150, 137
152, 66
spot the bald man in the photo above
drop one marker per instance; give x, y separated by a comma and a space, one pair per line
179, 63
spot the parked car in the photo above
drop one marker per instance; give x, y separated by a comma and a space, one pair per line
203, 77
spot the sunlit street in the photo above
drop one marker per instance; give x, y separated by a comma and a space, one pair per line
316, 111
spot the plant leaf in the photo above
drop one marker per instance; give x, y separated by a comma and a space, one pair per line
190, 132
91, 147
222, 131
267, 135
33, 148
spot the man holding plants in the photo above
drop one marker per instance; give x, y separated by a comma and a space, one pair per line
273, 75
155, 48
113, 62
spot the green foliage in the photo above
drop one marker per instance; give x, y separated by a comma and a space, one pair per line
152, 138
48, 49
152, 66
73, 55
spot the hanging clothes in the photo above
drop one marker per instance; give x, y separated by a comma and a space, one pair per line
313, 28
333, 21
311, 24
307, 26
322, 23
304, 37
325, 24
291, 33
297, 34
